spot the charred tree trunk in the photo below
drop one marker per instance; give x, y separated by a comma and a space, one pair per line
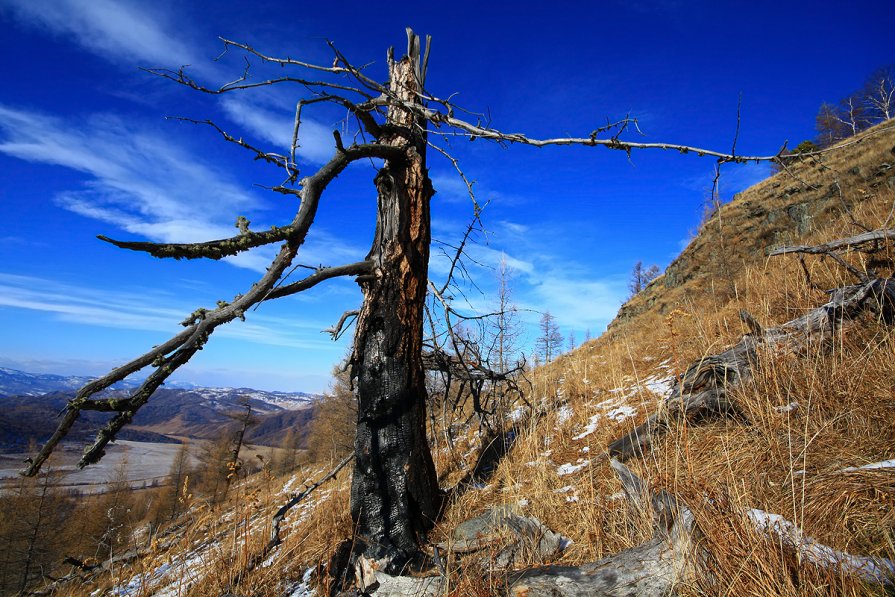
395, 497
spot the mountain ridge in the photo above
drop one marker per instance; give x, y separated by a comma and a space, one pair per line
31, 403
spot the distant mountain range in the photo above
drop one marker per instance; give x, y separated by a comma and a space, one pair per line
31, 403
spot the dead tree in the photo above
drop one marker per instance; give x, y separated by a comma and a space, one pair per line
243, 421
395, 498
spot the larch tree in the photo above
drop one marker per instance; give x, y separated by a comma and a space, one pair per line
504, 336
549, 340
177, 476
395, 498
642, 276
505, 326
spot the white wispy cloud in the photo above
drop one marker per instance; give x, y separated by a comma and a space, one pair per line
544, 277
130, 34
116, 30
138, 181
147, 311
578, 303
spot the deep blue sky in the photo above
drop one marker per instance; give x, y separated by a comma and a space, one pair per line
84, 150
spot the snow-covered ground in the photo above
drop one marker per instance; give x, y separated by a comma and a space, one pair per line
142, 462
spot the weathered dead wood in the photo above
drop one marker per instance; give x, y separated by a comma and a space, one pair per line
489, 530
704, 389
653, 568
874, 571
853, 242
869, 242
395, 497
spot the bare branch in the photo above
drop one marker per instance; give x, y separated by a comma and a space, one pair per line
335, 69
325, 273
215, 249
337, 330
271, 158
218, 249
180, 76
458, 253
460, 173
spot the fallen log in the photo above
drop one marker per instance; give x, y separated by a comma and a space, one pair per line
874, 571
852, 242
652, 569
703, 390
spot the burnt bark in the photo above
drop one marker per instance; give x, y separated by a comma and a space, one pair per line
395, 497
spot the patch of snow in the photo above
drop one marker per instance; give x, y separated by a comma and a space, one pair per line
585, 449
517, 413
564, 413
571, 498
167, 579
787, 408
654, 384
610, 403
565, 489
303, 588
872, 570
659, 385
621, 413
287, 488
569, 468
590, 428
523, 502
